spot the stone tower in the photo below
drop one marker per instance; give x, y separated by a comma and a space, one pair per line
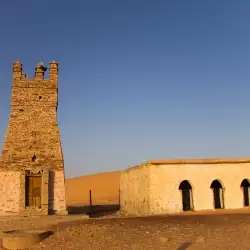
31, 165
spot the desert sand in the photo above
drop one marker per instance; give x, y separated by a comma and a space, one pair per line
207, 231
104, 188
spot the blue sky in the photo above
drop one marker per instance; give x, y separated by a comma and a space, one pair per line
139, 79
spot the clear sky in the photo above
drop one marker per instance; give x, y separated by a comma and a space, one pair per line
139, 79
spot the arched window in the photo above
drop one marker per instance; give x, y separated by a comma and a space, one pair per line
245, 188
218, 194
34, 157
187, 196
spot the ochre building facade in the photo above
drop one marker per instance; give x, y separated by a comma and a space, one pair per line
31, 165
172, 186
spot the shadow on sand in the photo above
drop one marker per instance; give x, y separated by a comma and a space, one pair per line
94, 210
185, 245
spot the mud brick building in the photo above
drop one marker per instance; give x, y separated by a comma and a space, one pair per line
31, 165
171, 186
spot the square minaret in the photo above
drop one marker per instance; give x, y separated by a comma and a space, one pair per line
31, 165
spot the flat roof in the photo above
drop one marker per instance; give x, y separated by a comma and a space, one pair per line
190, 161
199, 161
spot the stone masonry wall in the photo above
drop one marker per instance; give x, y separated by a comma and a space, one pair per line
57, 192
33, 129
1, 161
32, 140
9, 191
134, 191
164, 180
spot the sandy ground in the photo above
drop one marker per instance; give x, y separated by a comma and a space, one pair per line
221, 230
104, 187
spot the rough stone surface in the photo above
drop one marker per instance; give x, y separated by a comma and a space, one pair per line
23, 239
32, 143
153, 187
9, 191
134, 191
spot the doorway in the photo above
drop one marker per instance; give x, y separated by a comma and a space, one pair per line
218, 194
33, 187
187, 197
245, 188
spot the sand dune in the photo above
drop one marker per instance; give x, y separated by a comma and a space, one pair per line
104, 188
